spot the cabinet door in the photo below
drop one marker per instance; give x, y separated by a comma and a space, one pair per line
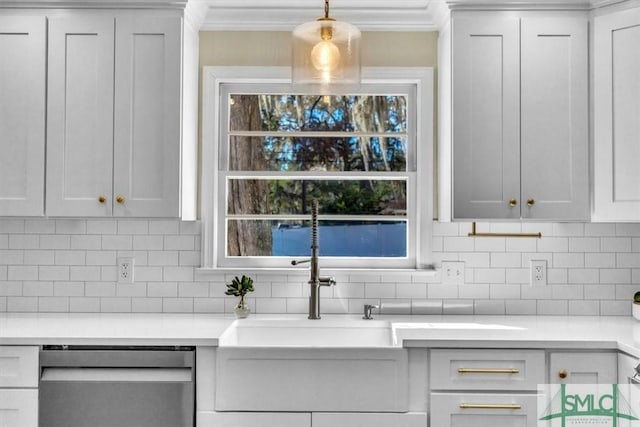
486, 116
22, 112
555, 118
363, 419
18, 407
483, 410
147, 116
253, 419
616, 101
583, 368
80, 116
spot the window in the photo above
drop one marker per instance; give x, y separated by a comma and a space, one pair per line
268, 151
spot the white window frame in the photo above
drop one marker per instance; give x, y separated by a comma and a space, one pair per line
420, 189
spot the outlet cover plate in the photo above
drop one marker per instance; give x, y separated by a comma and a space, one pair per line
125, 270
453, 272
538, 273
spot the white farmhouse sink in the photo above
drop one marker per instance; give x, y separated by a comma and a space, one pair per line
308, 333
311, 365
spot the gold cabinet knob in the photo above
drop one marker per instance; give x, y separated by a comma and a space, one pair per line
563, 373
531, 202
102, 199
513, 203
120, 199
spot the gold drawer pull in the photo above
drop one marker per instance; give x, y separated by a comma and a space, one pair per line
511, 406
513, 203
120, 199
488, 371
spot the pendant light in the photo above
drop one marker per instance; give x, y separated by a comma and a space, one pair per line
326, 52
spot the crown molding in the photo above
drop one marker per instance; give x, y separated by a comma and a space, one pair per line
94, 4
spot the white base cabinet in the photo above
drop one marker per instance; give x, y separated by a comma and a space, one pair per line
252, 419
18, 408
19, 386
345, 419
483, 410
583, 368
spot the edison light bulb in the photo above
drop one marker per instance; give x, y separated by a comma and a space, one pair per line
325, 56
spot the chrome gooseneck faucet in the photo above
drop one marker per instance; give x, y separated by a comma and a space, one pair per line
315, 280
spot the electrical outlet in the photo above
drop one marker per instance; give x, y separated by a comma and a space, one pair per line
453, 272
538, 273
125, 270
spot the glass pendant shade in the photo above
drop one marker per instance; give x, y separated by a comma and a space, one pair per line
326, 52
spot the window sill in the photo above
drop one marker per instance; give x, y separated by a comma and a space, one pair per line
352, 274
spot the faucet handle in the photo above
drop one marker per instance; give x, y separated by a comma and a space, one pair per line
327, 281
368, 308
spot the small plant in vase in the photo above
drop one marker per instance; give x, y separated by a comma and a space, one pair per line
239, 287
635, 307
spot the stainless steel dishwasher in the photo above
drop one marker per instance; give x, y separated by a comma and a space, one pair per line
87, 386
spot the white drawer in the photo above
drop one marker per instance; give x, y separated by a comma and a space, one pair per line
484, 410
486, 369
18, 366
18, 408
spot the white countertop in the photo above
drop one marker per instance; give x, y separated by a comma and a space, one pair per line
577, 332
112, 329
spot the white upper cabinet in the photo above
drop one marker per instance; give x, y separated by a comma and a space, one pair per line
617, 116
22, 115
80, 116
486, 116
147, 117
114, 108
555, 118
520, 115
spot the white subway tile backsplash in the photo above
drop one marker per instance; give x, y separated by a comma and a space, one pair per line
70, 265
584, 308
615, 308
84, 305
133, 227
86, 241
37, 288
10, 288
24, 241
552, 307
100, 289
71, 226
48, 272
23, 272
38, 226
99, 226
162, 289
22, 304
68, 289
131, 289
53, 304
177, 305
115, 305
9, 226
122, 243
39, 257
146, 305
55, 241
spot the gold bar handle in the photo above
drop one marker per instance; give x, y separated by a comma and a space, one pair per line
488, 371
510, 406
474, 233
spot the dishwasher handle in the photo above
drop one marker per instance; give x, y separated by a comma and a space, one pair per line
116, 375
